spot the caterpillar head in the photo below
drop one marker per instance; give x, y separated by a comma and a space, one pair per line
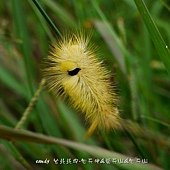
65, 66
69, 68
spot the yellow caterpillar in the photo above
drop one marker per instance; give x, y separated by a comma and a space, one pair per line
73, 70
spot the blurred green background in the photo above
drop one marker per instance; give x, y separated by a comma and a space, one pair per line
142, 80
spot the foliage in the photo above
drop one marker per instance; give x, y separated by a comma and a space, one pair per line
133, 40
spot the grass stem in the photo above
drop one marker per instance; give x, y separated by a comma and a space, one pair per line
30, 106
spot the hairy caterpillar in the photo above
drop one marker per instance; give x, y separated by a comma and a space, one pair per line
73, 70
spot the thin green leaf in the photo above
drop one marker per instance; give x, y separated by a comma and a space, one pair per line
160, 45
48, 19
11, 134
8, 79
21, 30
60, 12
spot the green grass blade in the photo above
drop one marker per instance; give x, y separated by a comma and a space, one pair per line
42, 21
21, 30
60, 13
15, 152
71, 120
160, 45
44, 14
8, 79
102, 28
9, 133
